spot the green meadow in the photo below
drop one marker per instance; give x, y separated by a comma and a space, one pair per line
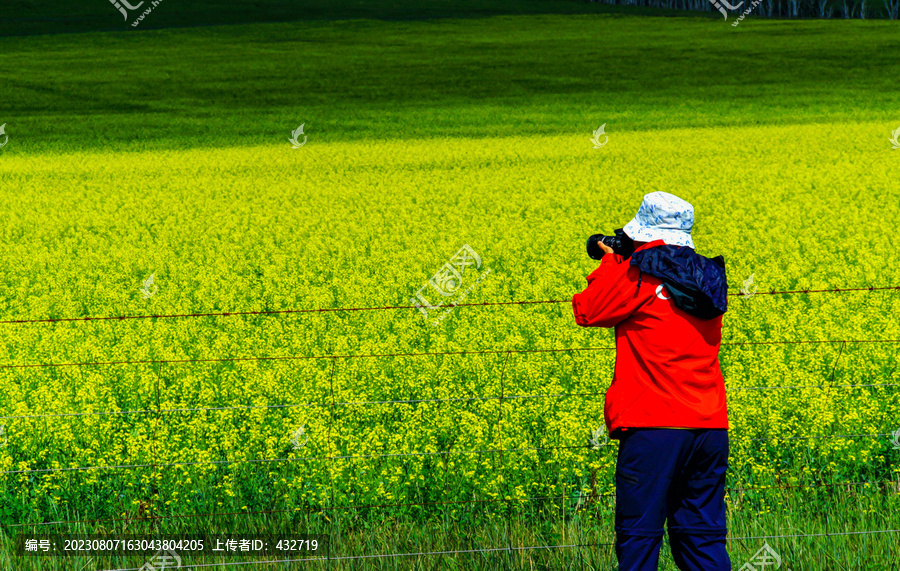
163, 151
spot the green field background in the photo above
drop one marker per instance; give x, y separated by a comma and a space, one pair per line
165, 152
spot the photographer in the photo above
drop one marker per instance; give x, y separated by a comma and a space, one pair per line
666, 404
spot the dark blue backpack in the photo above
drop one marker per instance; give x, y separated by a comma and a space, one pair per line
697, 284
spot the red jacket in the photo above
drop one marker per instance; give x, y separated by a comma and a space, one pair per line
667, 361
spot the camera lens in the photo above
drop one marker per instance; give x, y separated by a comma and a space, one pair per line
593, 249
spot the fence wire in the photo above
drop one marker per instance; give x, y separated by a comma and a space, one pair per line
390, 455
394, 307
408, 401
508, 548
426, 354
588, 498
331, 457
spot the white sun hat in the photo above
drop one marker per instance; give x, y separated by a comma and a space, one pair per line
663, 216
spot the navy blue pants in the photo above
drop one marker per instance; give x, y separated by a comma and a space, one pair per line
674, 477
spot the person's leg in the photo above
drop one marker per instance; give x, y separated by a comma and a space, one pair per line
645, 467
696, 512
699, 551
638, 553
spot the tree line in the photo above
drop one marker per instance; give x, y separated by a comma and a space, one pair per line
778, 8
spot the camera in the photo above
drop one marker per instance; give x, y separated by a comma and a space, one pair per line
620, 243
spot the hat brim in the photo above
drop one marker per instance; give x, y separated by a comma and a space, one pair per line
673, 237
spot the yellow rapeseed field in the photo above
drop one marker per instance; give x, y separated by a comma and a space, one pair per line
204, 418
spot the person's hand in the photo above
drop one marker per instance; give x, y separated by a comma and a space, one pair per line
606, 249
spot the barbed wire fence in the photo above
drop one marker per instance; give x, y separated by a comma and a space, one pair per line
507, 548
387, 307
159, 412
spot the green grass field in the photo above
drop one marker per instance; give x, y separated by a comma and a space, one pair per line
164, 150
